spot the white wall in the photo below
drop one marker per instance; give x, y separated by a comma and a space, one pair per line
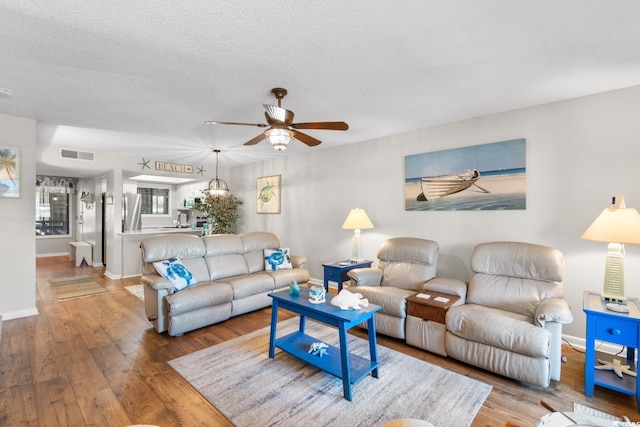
579, 153
17, 224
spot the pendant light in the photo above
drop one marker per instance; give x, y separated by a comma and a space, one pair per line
217, 187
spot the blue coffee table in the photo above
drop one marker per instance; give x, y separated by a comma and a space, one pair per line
339, 362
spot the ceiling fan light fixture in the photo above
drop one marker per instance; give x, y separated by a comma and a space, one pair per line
279, 138
218, 187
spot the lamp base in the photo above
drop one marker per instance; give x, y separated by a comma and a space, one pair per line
613, 290
356, 247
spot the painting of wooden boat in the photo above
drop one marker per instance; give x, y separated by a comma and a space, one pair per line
443, 185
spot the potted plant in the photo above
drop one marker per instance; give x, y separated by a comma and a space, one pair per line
222, 212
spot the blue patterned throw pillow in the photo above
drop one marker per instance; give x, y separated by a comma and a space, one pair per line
175, 272
277, 259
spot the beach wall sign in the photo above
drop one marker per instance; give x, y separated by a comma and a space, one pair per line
481, 177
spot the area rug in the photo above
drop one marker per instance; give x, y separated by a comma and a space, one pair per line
76, 287
137, 290
250, 389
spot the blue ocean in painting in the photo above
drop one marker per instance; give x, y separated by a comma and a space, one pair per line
473, 203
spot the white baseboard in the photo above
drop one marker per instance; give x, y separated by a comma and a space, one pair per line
53, 254
601, 346
19, 314
119, 276
112, 276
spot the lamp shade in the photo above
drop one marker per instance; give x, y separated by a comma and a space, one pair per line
357, 219
619, 225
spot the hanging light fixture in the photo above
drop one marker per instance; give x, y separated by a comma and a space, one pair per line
279, 137
217, 187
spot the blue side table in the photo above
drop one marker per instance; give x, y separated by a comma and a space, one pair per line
337, 271
612, 327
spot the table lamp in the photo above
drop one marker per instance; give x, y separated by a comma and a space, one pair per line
357, 220
617, 225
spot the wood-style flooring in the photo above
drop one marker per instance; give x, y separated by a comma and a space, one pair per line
97, 361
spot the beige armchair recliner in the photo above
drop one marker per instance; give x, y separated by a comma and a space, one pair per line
511, 323
405, 264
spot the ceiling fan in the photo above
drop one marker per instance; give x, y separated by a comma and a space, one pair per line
281, 129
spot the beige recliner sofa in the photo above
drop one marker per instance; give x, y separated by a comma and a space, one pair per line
230, 274
508, 319
511, 323
405, 264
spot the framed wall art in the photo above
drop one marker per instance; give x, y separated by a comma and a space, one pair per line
481, 177
9, 172
268, 194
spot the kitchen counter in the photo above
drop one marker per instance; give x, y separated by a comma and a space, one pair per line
162, 230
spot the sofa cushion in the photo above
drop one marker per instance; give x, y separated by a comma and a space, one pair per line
223, 266
277, 259
163, 247
175, 272
515, 276
498, 328
515, 294
405, 275
250, 284
158, 248
407, 262
284, 277
222, 244
199, 296
517, 259
254, 244
392, 300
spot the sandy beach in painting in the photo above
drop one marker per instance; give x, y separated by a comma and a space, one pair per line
502, 192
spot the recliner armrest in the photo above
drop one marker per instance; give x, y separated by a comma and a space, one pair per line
369, 276
157, 282
553, 310
448, 286
297, 261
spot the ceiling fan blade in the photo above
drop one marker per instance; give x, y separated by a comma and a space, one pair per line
309, 140
321, 125
255, 140
260, 125
279, 114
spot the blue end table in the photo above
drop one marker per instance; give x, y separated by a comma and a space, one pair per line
337, 271
612, 327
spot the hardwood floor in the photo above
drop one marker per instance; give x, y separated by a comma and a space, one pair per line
97, 361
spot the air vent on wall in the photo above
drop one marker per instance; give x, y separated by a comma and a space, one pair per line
78, 155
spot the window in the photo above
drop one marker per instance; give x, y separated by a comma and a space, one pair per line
52, 214
155, 201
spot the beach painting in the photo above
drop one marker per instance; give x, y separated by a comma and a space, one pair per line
481, 177
9, 172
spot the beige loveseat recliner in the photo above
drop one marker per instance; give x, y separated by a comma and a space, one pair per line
230, 273
405, 264
511, 323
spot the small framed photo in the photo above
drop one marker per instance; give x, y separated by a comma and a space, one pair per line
9, 172
268, 194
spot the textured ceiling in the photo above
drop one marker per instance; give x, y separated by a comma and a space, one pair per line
140, 78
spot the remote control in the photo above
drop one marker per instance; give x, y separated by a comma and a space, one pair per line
620, 308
